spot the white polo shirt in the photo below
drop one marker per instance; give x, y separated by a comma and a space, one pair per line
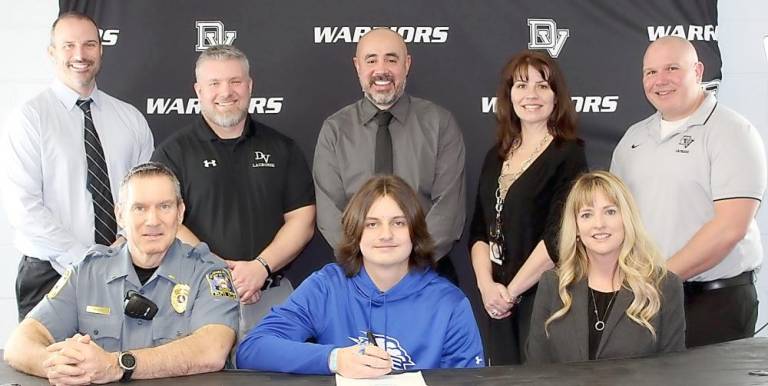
716, 155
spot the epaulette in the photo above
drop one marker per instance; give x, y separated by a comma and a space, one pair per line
99, 250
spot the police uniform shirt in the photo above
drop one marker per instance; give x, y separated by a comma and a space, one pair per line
191, 288
237, 191
715, 155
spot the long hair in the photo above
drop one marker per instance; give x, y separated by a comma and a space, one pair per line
640, 265
348, 253
562, 121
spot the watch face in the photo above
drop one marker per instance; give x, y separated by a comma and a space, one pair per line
127, 361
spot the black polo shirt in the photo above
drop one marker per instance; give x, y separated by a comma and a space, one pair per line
236, 191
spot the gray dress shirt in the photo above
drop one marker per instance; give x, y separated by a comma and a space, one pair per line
428, 153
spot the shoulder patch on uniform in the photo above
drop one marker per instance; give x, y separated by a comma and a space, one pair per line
60, 283
221, 285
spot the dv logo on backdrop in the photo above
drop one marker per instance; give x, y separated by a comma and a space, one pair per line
691, 32
424, 34
211, 33
582, 104
544, 35
108, 36
182, 106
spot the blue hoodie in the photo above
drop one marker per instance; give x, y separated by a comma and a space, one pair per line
424, 322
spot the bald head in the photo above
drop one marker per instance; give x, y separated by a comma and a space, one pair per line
672, 77
681, 47
382, 63
380, 35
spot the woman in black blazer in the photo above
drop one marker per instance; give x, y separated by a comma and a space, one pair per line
611, 295
524, 180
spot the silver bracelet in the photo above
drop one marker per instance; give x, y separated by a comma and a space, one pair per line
265, 264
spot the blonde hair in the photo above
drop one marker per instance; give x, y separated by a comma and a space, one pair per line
640, 265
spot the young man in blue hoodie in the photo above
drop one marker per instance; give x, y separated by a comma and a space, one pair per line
381, 308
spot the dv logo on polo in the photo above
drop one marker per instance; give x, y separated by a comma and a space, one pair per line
544, 35
211, 33
261, 160
682, 146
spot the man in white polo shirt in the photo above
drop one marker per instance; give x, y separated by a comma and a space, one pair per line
698, 172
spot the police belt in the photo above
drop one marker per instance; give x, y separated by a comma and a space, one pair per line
272, 281
745, 278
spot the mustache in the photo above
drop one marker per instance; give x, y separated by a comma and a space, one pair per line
81, 61
385, 77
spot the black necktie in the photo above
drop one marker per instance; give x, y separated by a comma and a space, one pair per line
98, 181
383, 164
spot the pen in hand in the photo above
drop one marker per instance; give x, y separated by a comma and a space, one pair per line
371, 338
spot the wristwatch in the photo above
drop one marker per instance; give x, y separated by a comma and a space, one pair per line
127, 362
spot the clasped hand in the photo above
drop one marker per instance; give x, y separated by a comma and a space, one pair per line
79, 361
497, 300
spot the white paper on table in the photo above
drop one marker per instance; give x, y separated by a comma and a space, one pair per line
404, 379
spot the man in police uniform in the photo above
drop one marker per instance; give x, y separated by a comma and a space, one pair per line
248, 189
81, 332
390, 132
698, 172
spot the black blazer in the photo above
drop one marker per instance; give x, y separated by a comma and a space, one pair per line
568, 339
533, 205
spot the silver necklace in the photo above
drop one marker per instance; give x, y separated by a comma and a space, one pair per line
600, 324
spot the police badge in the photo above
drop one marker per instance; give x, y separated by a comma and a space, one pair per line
179, 297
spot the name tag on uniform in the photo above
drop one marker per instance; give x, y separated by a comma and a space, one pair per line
97, 310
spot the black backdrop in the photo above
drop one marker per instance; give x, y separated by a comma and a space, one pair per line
301, 62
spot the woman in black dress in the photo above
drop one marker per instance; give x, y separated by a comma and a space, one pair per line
525, 178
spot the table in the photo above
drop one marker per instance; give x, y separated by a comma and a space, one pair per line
722, 364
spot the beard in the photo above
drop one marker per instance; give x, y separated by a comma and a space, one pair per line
387, 98
224, 119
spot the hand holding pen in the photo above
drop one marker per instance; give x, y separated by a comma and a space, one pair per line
364, 360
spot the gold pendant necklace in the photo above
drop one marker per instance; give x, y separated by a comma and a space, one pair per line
507, 177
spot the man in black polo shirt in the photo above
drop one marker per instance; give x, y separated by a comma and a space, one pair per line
248, 190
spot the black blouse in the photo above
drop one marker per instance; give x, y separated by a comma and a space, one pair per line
533, 204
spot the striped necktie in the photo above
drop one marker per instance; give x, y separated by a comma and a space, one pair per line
98, 181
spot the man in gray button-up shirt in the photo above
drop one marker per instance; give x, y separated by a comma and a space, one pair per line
428, 148
80, 333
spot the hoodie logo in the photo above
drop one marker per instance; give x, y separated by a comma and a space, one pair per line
400, 358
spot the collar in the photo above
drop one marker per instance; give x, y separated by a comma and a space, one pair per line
205, 133
399, 110
123, 267
69, 97
698, 118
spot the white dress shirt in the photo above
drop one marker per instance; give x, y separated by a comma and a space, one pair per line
44, 169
